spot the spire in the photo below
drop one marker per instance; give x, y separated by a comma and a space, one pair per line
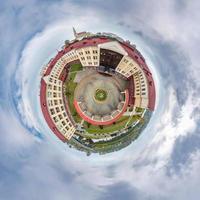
74, 31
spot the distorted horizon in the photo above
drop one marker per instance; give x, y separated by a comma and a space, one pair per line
164, 161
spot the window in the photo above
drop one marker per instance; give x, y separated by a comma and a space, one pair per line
49, 94
57, 109
87, 52
55, 119
50, 103
89, 57
125, 60
63, 123
52, 111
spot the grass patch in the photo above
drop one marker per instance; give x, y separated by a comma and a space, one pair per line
118, 125
123, 140
100, 95
76, 67
70, 86
138, 109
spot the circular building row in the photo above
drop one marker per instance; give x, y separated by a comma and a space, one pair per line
98, 95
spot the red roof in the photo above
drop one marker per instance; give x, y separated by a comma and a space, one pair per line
53, 62
78, 44
86, 42
131, 87
93, 42
152, 92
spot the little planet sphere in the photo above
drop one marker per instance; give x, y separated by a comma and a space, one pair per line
97, 94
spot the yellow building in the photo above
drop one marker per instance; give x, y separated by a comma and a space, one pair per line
141, 89
127, 66
56, 108
61, 63
88, 56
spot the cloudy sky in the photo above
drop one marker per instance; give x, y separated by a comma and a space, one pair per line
164, 163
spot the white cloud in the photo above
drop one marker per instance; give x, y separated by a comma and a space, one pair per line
56, 172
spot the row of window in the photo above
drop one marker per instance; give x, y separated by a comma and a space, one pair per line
141, 88
89, 58
58, 67
54, 87
52, 80
57, 111
54, 102
127, 67
54, 94
89, 52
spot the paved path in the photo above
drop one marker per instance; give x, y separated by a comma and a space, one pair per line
86, 89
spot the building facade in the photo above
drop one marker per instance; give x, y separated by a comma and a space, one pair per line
92, 51
88, 56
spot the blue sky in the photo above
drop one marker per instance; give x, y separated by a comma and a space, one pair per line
162, 164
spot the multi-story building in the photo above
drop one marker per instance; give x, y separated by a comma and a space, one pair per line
127, 66
88, 56
93, 50
56, 106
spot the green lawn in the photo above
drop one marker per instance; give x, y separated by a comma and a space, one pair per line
76, 67
110, 128
124, 140
138, 109
100, 95
70, 87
